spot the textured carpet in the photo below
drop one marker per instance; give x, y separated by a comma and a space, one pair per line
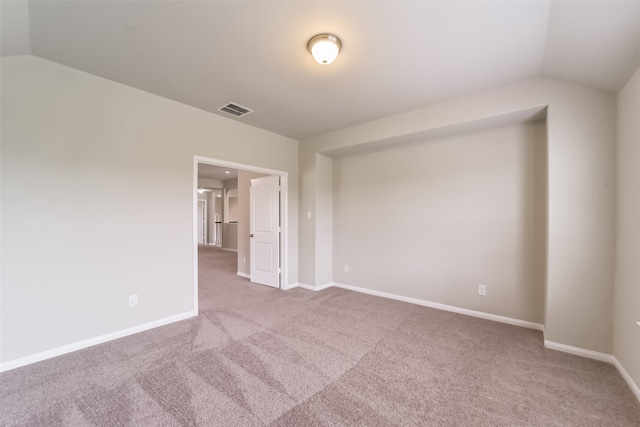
261, 356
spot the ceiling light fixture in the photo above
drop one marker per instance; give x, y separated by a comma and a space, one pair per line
324, 48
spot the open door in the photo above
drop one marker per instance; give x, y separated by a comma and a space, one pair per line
264, 228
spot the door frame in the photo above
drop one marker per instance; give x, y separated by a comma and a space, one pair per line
284, 216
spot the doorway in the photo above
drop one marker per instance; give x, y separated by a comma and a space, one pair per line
244, 257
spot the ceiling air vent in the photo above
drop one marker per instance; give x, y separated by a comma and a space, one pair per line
235, 110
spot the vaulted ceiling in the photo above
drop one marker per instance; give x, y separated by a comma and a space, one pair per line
396, 55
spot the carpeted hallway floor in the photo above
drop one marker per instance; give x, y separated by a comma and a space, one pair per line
261, 356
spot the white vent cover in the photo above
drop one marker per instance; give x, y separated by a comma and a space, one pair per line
235, 110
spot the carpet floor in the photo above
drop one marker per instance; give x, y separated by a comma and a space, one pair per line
258, 356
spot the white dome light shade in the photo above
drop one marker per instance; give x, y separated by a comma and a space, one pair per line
324, 48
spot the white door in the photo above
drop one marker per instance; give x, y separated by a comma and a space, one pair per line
264, 229
202, 227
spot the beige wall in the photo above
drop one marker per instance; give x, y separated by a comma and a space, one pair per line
324, 220
627, 292
581, 133
68, 269
433, 220
307, 197
230, 236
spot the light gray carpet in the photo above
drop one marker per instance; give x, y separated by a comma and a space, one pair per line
261, 356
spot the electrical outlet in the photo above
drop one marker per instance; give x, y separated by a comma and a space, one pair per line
133, 300
482, 290
346, 268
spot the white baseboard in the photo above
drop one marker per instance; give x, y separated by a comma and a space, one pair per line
517, 322
634, 387
229, 249
445, 307
578, 351
305, 286
48, 354
603, 357
314, 288
245, 275
289, 286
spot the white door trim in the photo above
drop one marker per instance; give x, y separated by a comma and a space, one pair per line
284, 212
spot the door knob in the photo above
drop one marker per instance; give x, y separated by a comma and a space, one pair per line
250, 235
